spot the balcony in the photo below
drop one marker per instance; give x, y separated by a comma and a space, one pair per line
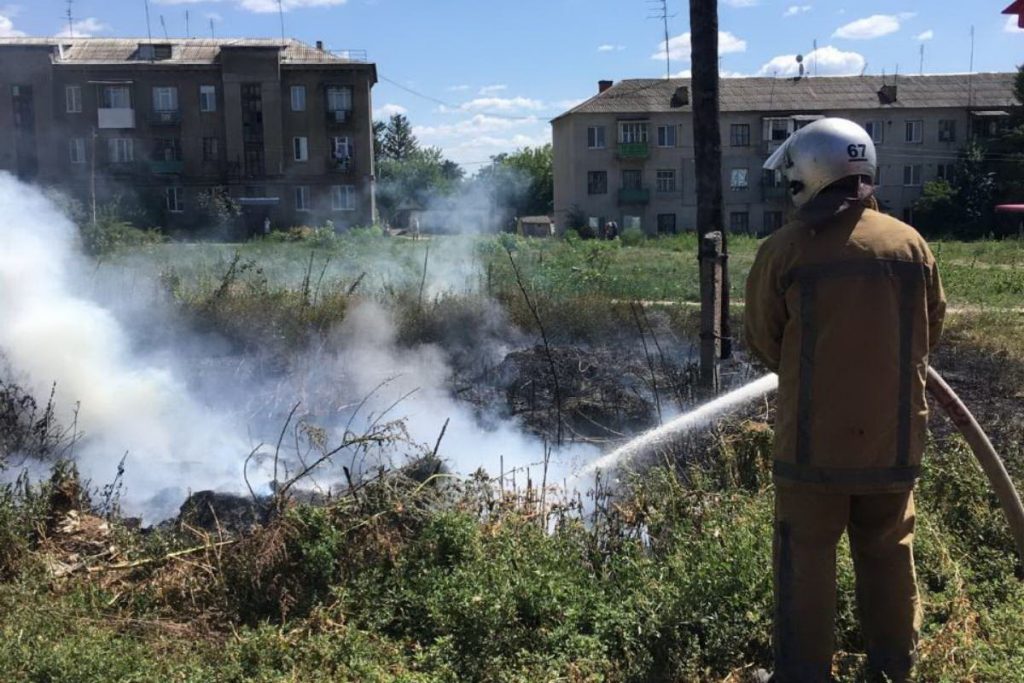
163, 166
634, 195
120, 117
339, 164
339, 116
165, 118
633, 150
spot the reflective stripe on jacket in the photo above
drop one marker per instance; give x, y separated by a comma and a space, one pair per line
846, 312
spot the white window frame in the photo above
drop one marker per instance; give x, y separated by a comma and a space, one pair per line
632, 132
165, 98
915, 175
739, 179
635, 222
302, 202
876, 130
733, 128
343, 197
207, 98
117, 97
664, 133
665, 180
914, 132
341, 147
339, 98
73, 99
596, 137
121, 150
174, 199
300, 148
769, 128
76, 150
298, 97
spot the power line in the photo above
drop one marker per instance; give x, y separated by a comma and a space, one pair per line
449, 105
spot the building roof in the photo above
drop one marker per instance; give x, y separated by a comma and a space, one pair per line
183, 51
650, 96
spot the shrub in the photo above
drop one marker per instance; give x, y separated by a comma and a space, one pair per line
633, 237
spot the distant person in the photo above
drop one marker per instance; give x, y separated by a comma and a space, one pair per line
611, 230
266, 225
415, 225
845, 304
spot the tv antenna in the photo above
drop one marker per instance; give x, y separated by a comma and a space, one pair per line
71, 23
163, 24
213, 33
280, 14
922, 59
660, 11
149, 30
815, 54
188, 33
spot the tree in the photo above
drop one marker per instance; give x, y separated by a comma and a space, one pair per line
522, 181
379, 129
398, 142
419, 178
965, 206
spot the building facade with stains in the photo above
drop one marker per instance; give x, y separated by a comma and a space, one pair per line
627, 153
281, 127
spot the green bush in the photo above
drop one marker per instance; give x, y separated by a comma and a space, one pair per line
633, 237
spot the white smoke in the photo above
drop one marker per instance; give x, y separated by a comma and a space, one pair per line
52, 335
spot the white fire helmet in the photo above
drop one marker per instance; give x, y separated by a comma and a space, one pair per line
821, 153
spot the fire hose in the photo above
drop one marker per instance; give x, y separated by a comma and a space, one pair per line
987, 457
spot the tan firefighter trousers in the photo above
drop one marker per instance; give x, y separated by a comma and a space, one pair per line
808, 525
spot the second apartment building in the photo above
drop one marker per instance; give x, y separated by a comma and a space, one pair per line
627, 153
284, 128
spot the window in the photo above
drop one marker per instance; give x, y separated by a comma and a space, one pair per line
341, 147
175, 199
632, 180
300, 147
772, 221
121, 150
165, 99
738, 179
776, 130
876, 131
632, 132
207, 98
302, 198
908, 214
947, 130
666, 180
912, 175
211, 151
298, 98
771, 179
739, 135
167, 149
73, 98
595, 137
739, 222
76, 150
946, 172
597, 182
339, 98
666, 136
117, 97
632, 223
343, 197
914, 132
666, 224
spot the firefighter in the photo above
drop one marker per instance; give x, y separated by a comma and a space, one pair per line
845, 304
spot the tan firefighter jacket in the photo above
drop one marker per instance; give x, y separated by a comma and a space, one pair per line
846, 311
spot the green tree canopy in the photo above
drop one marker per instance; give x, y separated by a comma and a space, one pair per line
522, 181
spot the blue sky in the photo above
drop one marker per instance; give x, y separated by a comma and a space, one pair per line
479, 77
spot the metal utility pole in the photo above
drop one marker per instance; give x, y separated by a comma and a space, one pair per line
707, 140
71, 23
92, 176
660, 9
280, 14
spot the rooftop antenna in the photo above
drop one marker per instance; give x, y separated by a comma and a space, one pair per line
188, 33
71, 23
922, 59
280, 14
660, 9
213, 33
970, 73
815, 53
865, 69
149, 30
164, 25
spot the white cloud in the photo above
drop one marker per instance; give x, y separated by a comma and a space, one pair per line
476, 139
722, 73
502, 104
84, 28
565, 105
742, 3
492, 89
389, 110
478, 125
794, 10
875, 26
608, 47
828, 61
927, 35
1011, 25
679, 47
261, 6
7, 29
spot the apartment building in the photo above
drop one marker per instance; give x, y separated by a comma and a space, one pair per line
627, 153
284, 127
